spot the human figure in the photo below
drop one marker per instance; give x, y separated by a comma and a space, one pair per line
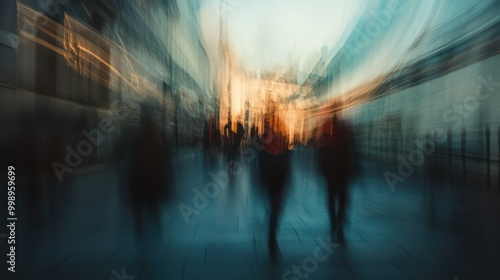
211, 140
254, 137
334, 162
274, 166
254, 133
149, 170
240, 133
229, 141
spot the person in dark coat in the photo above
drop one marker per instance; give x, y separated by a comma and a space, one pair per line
211, 141
254, 133
334, 162
229, 141
240, 134
274, 163
149, 175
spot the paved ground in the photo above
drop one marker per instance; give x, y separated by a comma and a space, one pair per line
417, 232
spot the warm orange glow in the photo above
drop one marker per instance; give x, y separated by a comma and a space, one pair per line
88, 52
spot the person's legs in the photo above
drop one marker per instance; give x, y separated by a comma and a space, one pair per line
342, 197
331, 206
154, 214
274, 216
137, 213
275, 200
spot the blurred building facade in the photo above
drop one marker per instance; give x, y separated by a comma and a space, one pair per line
73, 64
446, 87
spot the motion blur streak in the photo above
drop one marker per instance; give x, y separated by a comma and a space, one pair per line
251, 139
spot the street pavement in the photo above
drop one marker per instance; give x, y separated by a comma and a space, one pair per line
421, 230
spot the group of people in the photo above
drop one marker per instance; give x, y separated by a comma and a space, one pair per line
334, 157
230, 140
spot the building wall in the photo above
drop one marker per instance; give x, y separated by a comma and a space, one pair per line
459, 101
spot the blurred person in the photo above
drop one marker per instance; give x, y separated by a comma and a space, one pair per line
229, 141
335, 165
254, 137
240, 134
225, 137
149, 175
274, 170
254, 133
211, 141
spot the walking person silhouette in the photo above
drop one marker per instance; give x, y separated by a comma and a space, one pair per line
274, 166
334, 162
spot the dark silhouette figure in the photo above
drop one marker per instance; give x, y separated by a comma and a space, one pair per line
334, 162
150, 174
211, 141
254, 133
253, 143
240, 134
274, 166
229, 141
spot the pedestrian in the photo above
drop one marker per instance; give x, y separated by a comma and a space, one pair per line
335, 164
274, 163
